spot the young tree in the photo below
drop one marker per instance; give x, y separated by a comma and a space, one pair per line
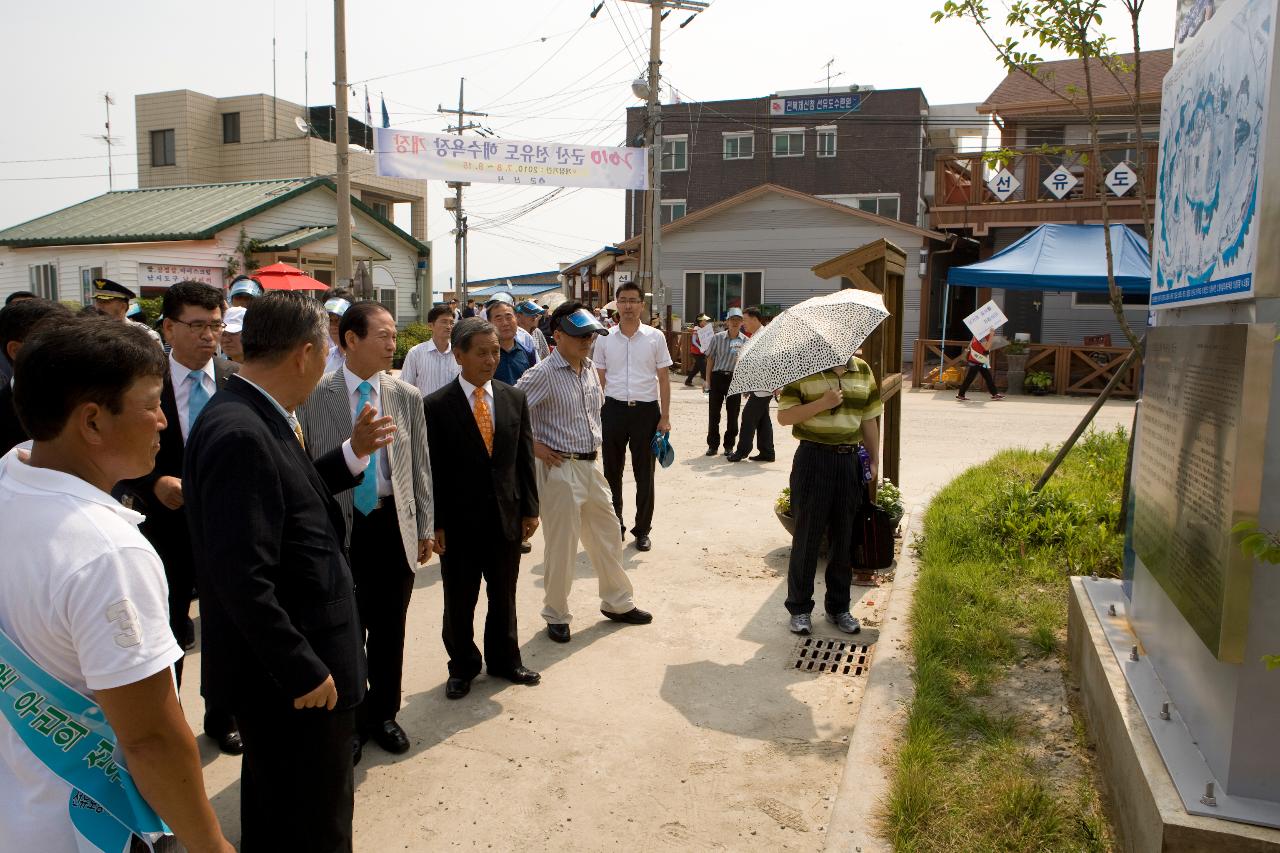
1073, 27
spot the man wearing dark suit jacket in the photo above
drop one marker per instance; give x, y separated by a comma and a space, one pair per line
486, 505
282, 636
389, 518
192, 314
17, 320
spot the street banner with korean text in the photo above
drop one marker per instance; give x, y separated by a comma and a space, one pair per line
404, 154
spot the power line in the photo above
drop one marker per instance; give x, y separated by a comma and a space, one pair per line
538, 40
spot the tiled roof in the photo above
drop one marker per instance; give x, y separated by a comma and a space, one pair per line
1020, 90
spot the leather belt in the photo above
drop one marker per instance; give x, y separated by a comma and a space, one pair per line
630, 403
842, 449
583, 457
388, 502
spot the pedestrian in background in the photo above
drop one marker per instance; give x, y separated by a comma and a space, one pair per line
231, 347
18, 321
722, 358
979, 359
698, 343
528, 315
430, 365
756, 424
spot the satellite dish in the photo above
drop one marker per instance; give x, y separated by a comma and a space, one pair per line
302, 124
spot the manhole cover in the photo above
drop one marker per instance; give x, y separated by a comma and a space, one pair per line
815, 654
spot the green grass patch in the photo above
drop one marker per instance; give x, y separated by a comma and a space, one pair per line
994, 562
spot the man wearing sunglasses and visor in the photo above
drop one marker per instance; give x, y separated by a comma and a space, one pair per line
565, 398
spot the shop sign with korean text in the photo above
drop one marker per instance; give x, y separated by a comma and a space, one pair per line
840, 102
404, 154
163, 275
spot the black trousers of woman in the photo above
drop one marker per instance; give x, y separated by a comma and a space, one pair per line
974, 370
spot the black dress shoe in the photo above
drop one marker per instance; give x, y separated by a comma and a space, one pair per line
558, 631
229, 743
762, 457
643, 543
634, 616
456, 688
713, 451
519, 675
390, 737
525, 547
357, 750
734, 457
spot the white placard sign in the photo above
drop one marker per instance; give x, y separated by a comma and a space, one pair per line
404, 154
1121, 179
1003, 184
1060, 182
986, 319
163, 275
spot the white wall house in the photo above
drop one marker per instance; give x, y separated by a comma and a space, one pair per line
147, 239
759, 248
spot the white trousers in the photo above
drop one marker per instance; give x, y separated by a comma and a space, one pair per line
576, 506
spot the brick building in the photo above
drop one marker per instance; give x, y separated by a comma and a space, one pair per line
872, 156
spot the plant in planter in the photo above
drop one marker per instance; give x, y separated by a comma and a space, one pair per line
1015, 363
889, 499
1040, 382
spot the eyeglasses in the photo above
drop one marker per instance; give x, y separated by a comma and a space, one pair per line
202, 326
630, 301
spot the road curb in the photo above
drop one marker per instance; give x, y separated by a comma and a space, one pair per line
864, 785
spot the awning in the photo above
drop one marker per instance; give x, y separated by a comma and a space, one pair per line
1063, 257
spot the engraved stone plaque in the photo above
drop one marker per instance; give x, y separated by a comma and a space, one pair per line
1198, 471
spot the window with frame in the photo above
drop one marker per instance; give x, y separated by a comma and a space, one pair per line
162, 148
230, 128
714, 293
43, 279
672, 210
1103, 300
789, 142
387, 298
675, 153
739, 146
827, 141
87, 277
381, 208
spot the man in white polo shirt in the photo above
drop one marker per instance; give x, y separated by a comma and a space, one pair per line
632, 362
430, 365
83, 602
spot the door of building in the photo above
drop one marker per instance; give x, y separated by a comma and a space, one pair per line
1025, 310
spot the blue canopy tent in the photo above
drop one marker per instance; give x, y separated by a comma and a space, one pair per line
1059, 257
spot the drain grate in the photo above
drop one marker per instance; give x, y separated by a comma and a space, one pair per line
835, 657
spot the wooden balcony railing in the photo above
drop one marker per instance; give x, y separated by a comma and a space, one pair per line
1084, 370
961, 179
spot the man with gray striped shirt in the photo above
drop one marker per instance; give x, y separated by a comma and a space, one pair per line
565, 398
722, 360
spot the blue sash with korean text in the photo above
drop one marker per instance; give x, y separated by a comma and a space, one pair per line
68, 734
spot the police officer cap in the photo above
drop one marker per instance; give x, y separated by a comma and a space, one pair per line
530, 308
105, 288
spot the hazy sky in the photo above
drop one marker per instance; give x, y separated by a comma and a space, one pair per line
573, 86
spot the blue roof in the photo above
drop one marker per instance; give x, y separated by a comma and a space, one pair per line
1063, 257
515, 290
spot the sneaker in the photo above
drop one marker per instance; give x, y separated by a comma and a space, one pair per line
962, 398
997, 396
802, 623
845, 622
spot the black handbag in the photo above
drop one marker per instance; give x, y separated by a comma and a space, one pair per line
872, 537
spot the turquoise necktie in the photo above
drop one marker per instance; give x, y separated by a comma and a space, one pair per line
197, 398
366, 494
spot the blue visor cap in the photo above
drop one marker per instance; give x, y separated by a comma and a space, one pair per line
337, 306
529, 308
135, 310
247, 287
581, 323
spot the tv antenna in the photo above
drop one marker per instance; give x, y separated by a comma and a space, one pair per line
302, 124
827, 65
106, 137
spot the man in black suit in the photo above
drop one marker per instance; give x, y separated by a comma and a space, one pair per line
17, 321
486, 505
192, 313
282, 646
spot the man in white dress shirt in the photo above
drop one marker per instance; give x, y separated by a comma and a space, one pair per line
430, 365
632, 362
336, 303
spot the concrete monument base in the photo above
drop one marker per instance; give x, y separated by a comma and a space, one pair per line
1147, 806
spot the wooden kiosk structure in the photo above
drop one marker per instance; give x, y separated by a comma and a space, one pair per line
879, 267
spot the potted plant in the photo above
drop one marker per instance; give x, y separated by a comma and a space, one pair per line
782, 509
889, 499
1015, 363
1039, 382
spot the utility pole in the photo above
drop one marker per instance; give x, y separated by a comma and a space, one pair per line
652, 227
460, 220
341, 141
110, 140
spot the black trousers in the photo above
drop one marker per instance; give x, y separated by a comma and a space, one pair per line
296, 790
630, 428
384, 583
756, 426
974, 370
826, 490
720, 395
699, 368
465, 561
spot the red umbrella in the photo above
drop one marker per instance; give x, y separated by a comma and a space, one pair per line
281, 276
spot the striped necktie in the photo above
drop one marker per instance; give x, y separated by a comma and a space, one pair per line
484, 420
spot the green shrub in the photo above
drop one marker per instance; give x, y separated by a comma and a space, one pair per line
409, 337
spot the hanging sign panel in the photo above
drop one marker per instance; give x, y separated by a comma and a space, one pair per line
404, 154
985, 320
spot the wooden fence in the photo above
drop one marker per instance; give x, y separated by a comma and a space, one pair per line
1083, 370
